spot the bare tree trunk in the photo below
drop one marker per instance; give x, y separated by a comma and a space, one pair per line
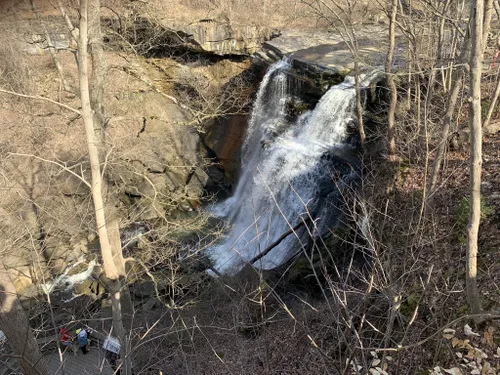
72, 29
359, 104
14, 323
496, 6
488, 14
476, 66
97, 80
110, 268
391, 131
447, 119
453, 97
99, 67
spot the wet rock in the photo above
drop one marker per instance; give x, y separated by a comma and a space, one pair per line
225, 138
196, 183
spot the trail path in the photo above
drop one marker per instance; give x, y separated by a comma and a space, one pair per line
91, 363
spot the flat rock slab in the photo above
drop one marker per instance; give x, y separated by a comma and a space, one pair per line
80, 364
328, 52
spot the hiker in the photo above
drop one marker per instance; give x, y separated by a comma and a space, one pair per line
82, 339
66, 339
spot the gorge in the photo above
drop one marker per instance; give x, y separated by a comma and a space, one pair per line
250, 186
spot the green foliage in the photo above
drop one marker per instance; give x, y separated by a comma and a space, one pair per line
463, 310
462, 216
485, 107
409, 305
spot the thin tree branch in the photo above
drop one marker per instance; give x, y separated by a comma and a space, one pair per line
53, 162
35, 97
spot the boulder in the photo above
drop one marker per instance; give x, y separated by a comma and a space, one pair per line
492, 128
196, 183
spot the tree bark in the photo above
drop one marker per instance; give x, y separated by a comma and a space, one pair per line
99, 67
99, 71
359, 104
476, 66
391, 131
14, 323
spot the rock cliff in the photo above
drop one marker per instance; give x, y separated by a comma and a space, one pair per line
221, 37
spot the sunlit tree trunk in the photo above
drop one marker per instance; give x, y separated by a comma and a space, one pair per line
391, 132
473, 296
110, 269
359, 104
488, 14
14, 323
97, 80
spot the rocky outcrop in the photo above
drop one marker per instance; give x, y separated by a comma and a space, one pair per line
220, 37
217, 36
323, 56
154, 162
158, 155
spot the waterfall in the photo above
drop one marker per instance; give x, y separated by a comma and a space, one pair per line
288, 171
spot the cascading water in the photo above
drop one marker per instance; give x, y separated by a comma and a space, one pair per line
288, 171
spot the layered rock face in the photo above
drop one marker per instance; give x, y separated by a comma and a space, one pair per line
153, 162
220, 37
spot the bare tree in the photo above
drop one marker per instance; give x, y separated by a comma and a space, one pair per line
477, 14
110, 269
14, 323
97, 80
391, 130
448, 117
457, 79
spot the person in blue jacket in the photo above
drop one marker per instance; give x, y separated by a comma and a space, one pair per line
82, 339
